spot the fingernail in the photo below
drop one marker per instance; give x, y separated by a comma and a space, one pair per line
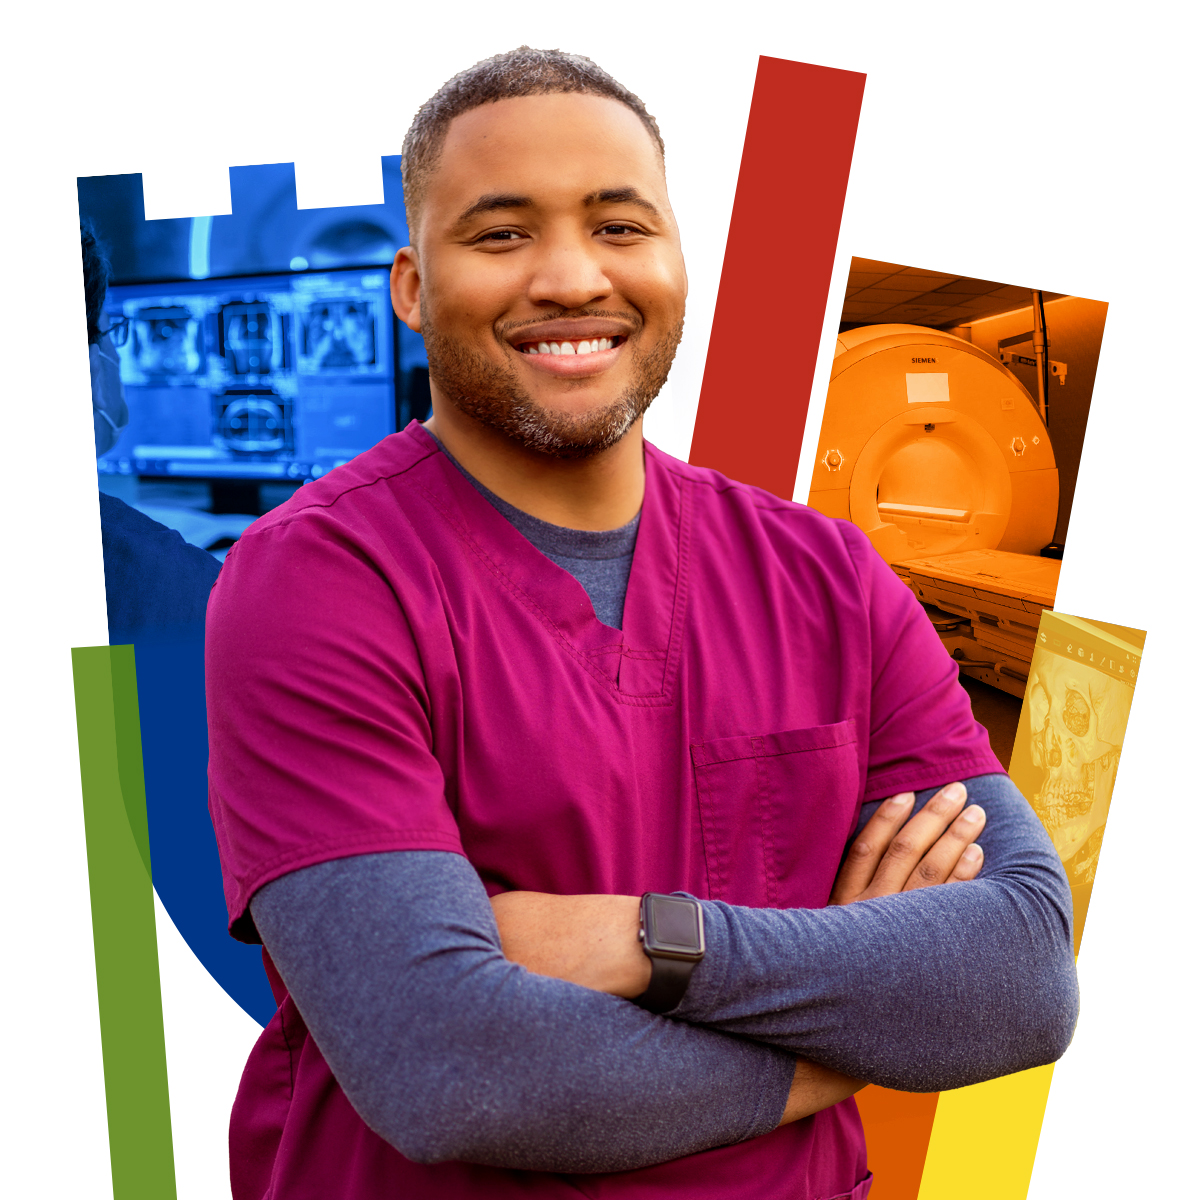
974, 814
896, 803
972, 854
954, 791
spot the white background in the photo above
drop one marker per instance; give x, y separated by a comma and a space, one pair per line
1045, 145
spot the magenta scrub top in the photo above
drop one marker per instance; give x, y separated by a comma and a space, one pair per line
393, 666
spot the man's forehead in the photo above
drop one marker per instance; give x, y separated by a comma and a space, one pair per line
490, 202
518, 146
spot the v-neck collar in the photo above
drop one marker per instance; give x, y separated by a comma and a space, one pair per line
637, 663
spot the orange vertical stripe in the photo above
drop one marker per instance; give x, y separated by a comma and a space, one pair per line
898, 1126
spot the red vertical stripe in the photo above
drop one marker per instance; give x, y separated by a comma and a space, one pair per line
775, 278
759, 375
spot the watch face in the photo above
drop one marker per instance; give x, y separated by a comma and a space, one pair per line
673, 926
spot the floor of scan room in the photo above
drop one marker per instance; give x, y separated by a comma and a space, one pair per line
997, 712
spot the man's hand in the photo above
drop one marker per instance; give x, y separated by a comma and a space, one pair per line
896, 854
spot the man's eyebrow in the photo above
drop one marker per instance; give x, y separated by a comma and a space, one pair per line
493, 201
624, 195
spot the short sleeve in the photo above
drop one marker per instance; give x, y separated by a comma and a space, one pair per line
923, 733
319, 727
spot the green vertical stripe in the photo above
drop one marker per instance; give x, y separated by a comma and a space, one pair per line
127, 983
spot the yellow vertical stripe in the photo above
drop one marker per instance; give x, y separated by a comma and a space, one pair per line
984, 1138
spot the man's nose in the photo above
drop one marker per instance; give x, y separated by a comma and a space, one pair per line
568, 273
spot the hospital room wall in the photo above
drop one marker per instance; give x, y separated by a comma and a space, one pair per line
1074, 329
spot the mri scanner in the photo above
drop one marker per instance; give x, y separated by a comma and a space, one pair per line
940, 456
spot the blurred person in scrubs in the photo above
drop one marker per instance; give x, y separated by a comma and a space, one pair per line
156, 583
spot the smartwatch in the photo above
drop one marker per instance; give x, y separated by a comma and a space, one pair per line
671, 930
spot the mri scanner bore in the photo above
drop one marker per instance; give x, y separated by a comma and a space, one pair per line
939, 454
931, 447
952, 434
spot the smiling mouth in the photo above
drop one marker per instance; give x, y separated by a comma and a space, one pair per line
577, 346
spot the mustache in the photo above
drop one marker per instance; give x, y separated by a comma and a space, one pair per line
633, 318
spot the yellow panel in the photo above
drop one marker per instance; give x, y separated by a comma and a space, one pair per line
984, 1138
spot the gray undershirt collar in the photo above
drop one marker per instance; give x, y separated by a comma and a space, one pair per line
600, 559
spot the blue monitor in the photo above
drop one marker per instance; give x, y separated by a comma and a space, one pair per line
261, 378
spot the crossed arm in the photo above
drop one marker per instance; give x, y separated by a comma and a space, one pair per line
592, 939
449, 1049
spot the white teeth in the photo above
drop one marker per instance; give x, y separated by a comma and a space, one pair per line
594, 346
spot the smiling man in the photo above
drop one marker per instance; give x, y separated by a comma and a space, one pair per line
548, 281
671, 727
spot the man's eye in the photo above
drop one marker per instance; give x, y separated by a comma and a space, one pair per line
498, 235
618, 230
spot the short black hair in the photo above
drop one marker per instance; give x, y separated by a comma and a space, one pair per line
96, 274
520, 72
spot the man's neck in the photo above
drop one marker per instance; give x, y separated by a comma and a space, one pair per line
601, 492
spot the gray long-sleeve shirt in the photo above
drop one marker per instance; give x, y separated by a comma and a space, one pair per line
449, 1051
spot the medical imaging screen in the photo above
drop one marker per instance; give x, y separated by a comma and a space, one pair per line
273, 377
1069, 737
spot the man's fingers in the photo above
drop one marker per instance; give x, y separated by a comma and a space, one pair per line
969, 865
897, 853
944, 858
915, 839
869, 847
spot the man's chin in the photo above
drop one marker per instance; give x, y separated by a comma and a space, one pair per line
571, 435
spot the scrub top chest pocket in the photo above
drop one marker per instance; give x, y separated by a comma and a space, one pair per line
775, 813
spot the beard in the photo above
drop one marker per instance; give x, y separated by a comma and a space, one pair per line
491, 393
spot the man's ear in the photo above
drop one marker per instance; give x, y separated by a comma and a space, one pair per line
406, 288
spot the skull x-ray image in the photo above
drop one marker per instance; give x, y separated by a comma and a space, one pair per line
1069, 737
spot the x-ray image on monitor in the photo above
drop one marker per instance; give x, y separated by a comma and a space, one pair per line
164, 342
279, 377
252, 337
338, 335
253, 422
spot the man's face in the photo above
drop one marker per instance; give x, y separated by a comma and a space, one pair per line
548, 281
